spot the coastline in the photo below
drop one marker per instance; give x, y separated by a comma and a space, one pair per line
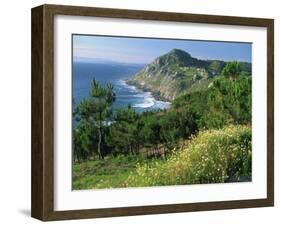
155, 95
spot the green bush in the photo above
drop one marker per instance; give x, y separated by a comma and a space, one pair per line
213, 156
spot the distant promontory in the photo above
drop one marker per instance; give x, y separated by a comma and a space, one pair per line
177, 72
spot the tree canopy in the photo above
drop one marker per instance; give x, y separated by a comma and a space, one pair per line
102, 130
232, 70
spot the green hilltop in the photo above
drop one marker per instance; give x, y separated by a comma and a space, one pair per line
177, 72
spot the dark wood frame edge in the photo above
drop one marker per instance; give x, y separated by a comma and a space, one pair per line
42, 197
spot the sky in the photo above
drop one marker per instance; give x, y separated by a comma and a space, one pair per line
145, 50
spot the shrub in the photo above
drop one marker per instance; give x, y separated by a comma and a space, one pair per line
213, 156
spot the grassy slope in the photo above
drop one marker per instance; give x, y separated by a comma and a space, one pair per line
213, 156
112, 172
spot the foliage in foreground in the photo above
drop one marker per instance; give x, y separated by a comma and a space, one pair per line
102, 133
214, 156
143, 149
112, 172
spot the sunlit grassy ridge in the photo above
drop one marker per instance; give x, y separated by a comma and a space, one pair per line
213, 156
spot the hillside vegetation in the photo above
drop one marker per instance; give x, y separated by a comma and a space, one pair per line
213, 156
177, 73
204, 137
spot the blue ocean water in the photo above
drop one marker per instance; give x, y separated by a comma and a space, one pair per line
116, 74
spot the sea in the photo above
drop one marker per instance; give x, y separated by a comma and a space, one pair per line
116, 74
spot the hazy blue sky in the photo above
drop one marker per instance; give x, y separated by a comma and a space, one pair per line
144, 50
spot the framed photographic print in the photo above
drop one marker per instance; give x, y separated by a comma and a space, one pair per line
141, 112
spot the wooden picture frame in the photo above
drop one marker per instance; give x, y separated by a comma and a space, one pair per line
42, 203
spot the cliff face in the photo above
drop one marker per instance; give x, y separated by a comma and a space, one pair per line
176, 73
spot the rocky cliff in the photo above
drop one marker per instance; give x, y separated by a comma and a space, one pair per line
176, 73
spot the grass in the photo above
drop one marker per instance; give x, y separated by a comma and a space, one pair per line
213, 156
110, 173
